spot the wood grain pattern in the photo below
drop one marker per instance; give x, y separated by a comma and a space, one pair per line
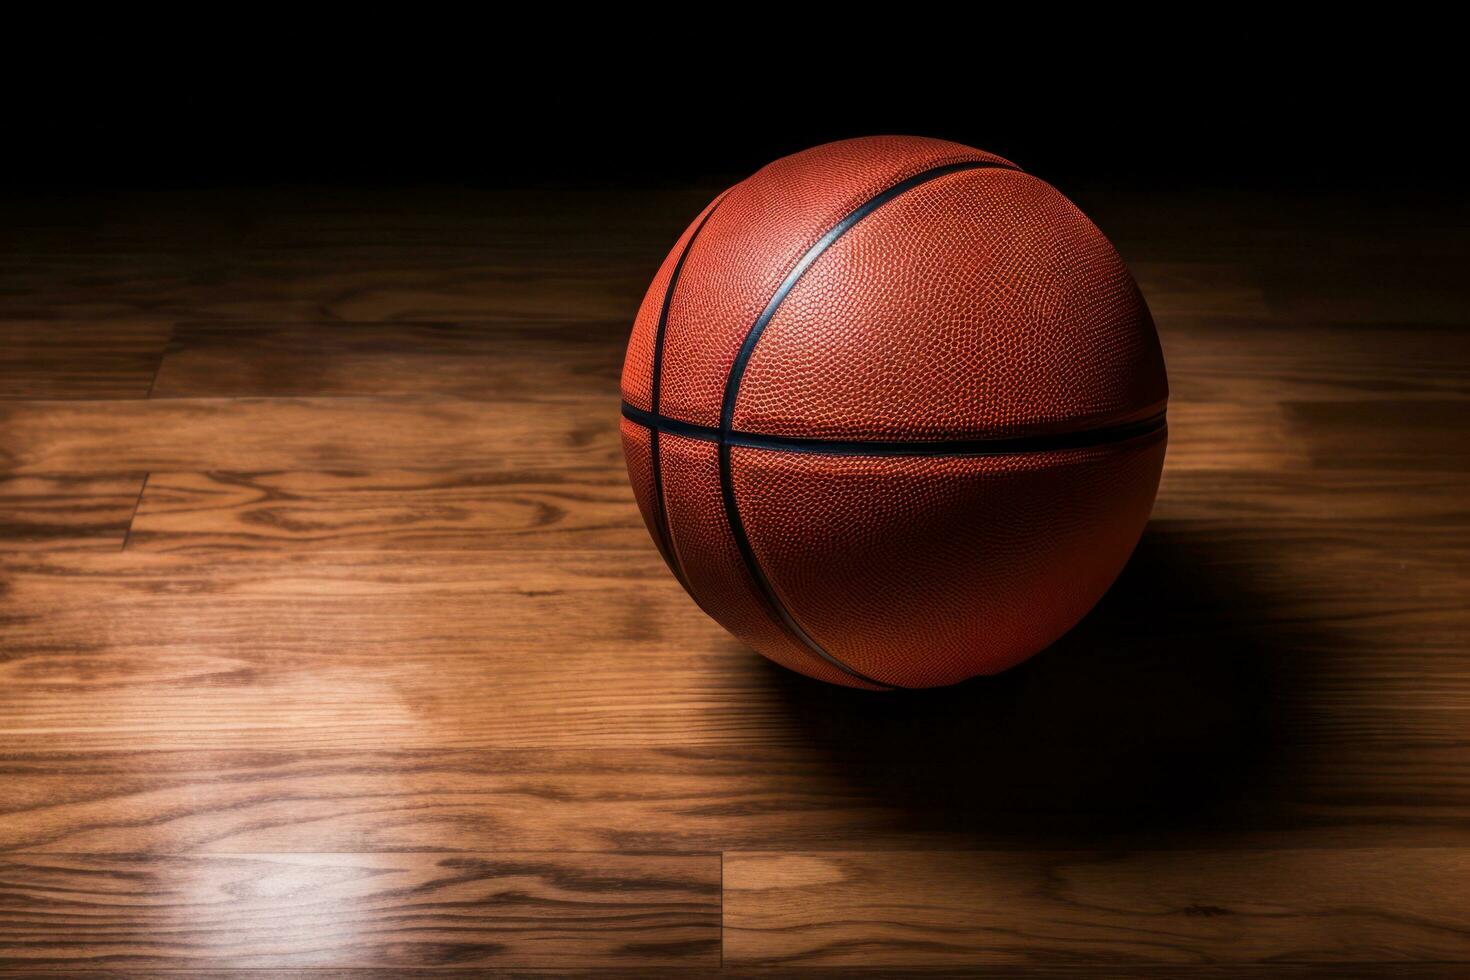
338, 647
402, 510
127, 285
79, 359
67, 513
255, 434
271, 911
453, 650
719, 799
885, 909
473, 360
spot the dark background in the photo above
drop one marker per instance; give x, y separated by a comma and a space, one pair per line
1246, 114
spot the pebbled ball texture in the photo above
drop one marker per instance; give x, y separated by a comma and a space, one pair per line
971, 302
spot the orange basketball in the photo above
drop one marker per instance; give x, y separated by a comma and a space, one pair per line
893, 410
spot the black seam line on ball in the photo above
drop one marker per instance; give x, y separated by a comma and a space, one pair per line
665, 533
737, 372
747, 552
998, 446
747, 348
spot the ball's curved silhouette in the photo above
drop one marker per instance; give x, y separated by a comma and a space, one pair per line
893, 411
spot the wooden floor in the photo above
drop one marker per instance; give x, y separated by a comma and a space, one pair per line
330, 637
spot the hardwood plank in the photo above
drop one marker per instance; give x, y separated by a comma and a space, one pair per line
1049, 971
473, 360
332, 651
537, 649
427, 282
349, 282
256, 435
65, 513
1369, 436
79, 359
269, 911
1394, 274
896, 909
591, 507
1190, 289
109, 284
1386, 434
241, 801
1428, 506
1268, 359
822, 796
554, 648
391, 510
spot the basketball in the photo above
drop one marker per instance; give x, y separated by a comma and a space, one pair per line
893, 412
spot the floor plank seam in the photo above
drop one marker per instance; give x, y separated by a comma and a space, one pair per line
137, 505
162, 355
